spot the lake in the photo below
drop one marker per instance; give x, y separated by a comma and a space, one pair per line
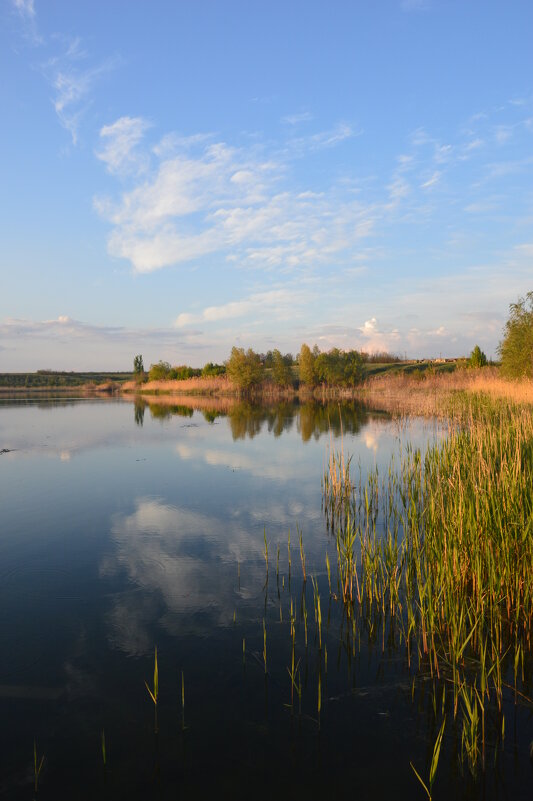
129, 525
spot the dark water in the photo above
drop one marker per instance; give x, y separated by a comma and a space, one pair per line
126, 526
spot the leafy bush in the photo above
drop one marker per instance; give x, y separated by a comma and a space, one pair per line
477, 358
211, 369
244, 367
516, 347
159, 371
306, 364
281, 372
183, 372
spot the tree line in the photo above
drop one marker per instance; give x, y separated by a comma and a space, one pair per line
344, 368
246, 368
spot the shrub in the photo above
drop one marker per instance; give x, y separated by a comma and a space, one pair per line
516, 347
244, 368
281, 372
159, 371
477, 358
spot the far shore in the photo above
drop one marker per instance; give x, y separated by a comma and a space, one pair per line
425, 394
421, 393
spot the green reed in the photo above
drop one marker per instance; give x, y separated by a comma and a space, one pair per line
154, 691
434, 764
441, 547
37, 767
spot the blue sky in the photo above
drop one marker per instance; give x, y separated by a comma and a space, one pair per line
180, 177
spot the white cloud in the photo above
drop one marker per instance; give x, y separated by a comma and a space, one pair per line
26, 8
72, 80
323, 139
209, 197
277, 304
72, 88
296, 119
432, 180
66, 328
119, 145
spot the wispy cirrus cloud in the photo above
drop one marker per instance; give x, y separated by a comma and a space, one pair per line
69, 69
296, 119
72, 79
26, 8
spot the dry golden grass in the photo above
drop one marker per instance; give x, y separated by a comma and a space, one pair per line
429, 394
217, 385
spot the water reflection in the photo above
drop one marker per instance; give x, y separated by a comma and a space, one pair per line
138, 412
180, 566
246, 420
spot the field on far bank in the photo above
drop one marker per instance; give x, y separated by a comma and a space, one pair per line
50, 379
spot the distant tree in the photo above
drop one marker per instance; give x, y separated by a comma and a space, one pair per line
477, 358
138, 366
335, 367
328, 370
281, 373
211, 369
182, 372
159, 371
306, 362
516, 347
268, 359
244, 367
353, 367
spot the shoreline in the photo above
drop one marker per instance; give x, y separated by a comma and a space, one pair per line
430, 394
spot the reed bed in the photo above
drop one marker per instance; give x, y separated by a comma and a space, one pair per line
216, 385
431, 393
442, 548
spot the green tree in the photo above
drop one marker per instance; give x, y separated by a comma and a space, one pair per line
138, 366
281, 373
244, 368
516, 347
477, 358
159, 371
353, 368
306, 364
211, 369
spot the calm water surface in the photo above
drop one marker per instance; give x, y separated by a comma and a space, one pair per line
126, 526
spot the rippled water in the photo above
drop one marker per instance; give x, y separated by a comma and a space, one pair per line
126, 526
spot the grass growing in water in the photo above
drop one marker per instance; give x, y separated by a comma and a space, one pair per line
37, 767
154, 692
443, 545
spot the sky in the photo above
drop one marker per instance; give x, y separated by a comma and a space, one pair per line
181, 177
